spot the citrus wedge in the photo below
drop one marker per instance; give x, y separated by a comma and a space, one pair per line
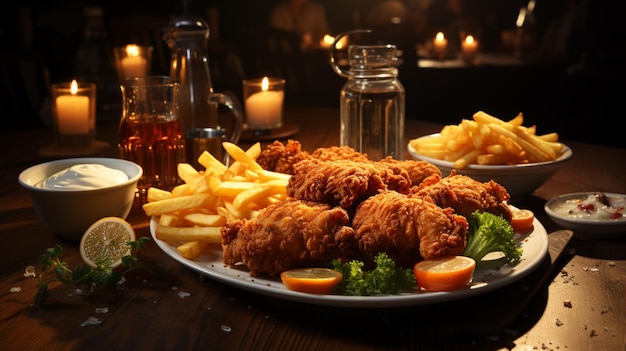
522, 220
106, 239
445, 273
311, 280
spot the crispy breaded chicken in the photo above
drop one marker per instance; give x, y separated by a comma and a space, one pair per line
418, 170
408, 229
335, 153
344, 183
465, 195
281, 158
285, 235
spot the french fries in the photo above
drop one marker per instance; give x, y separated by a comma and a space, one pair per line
489, 140
192, 215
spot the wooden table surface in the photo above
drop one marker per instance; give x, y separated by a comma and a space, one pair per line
147, 312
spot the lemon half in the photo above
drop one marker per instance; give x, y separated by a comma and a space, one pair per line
106, 240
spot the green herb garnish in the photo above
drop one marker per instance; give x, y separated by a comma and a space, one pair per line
385, 279
103, 275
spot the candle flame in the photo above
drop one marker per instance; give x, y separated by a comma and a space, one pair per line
74, 87
132, 50
265, 83
440, 36
521, 17
469, 39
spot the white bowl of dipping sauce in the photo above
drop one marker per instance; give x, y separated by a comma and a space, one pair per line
71, 194
590, 214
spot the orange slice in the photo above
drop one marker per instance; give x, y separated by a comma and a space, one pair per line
311, 280
106, 240
445, 273
522, 220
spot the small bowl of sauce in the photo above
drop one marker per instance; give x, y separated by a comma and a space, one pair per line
590, 214
69, 195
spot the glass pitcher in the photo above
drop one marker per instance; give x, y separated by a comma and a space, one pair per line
187, 37
372, 100
149, 132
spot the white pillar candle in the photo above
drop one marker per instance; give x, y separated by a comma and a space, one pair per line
73, 112
264, 109
134, 65
440, 44
469, 47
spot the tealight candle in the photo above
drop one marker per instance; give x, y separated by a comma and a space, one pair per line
440, 44
469, 48
73, 112
264, 102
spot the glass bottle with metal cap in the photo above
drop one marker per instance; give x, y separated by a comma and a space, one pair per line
187, 37
372, 100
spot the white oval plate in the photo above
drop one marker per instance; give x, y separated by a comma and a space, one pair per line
591, 228
487, 277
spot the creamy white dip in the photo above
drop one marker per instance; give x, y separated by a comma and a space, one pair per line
595, 206
84, 177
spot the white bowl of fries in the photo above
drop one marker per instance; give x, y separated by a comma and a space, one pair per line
488, 148
69, 212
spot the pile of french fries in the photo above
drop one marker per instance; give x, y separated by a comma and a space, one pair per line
191, 216
488, 140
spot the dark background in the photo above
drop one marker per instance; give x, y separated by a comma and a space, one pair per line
578, 95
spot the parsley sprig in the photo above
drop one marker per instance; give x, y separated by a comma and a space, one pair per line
103, 275
385, 279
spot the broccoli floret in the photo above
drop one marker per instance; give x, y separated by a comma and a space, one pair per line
386, 278
491, 233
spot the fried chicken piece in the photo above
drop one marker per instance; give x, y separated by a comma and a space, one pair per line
418, 170
344, 183
408, 229
335, 153
281, 158
466, 195
285, 235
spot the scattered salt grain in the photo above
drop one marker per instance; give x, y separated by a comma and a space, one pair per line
91, 321
30, 271
559, 322
183, 294
102, 310
612, 264
15, 289
225, 328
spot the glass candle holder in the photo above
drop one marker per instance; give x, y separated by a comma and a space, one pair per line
264, 98
74, 114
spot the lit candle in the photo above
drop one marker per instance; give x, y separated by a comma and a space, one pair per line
264, 109
440, 44
134, 65
327, 41
469, 48
73, 112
